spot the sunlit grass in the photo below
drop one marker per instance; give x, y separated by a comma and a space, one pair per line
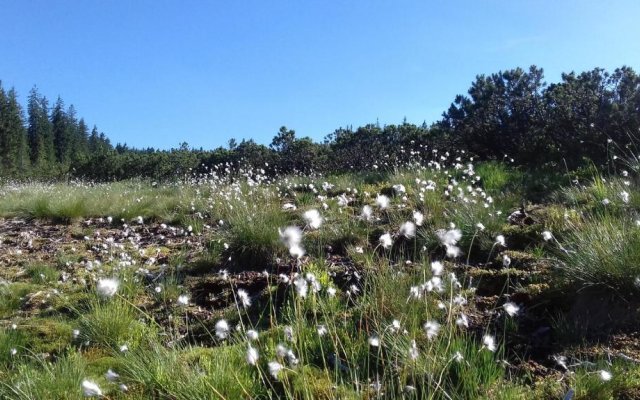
343, 318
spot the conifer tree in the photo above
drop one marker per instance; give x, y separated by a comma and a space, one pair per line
40, 132
61, 132
14, 158
81, 141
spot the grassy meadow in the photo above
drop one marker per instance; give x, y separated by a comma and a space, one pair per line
448, 280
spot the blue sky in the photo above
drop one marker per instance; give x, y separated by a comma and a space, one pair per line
158, 73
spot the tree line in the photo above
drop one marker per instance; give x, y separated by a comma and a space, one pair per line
513, 114
49, 143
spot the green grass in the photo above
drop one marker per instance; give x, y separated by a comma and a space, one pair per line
190, 373
40, 379
12, 296
112, 323
604, 251
173, 351
42, 273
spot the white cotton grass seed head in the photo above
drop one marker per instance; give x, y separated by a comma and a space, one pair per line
415, 292
413, 351
431, 328
605, 375
107, 287
252, 335
275, 368
281, 350
385, 241
511, 308
462, 321
222, 329
501, 241
111, 376
90, 389
408, 230
547, 235
183, 300
459, 300
449, 239
243, 296
296, 251
289, 206
437, 268
624, 196
312, 218
367, 213
290, 236
291, 358
302, 287
418, 218
374, 341
489, 342
395, 325
453, 251
506, 261
382, 201
288, 332
399, 188
252, 356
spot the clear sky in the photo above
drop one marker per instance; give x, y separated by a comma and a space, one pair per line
156, 73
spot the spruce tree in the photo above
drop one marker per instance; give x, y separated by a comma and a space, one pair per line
3, 130
14, 157
40, 132
61, 137
81, 141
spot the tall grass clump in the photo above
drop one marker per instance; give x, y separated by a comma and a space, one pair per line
254, 239
112, 324
498, 177
604, 252
12, 296
12, 346
185, 373
42, 379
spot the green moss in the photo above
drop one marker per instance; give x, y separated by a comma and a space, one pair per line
42, 273
312, 383
522, 237
47, 335
12, 297
71, 301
